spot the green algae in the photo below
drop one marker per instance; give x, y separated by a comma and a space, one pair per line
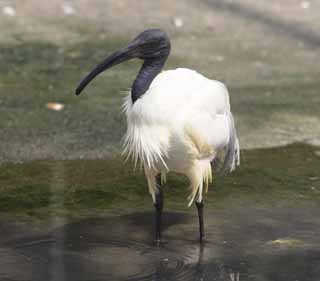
266, 175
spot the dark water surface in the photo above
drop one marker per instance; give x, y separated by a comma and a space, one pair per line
93, 220
282, 246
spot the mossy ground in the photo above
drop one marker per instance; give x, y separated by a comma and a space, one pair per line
267, 176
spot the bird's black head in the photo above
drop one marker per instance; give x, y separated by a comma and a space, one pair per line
151, 44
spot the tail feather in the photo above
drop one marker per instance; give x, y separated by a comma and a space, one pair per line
232, 156
200, 177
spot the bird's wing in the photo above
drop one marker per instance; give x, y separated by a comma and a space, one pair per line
207, 133
209, 122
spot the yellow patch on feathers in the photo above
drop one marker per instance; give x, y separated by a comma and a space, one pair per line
199, 148
200, 174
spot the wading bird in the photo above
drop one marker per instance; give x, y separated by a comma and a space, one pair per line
177, 120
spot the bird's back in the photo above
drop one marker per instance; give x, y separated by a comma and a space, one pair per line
177, 90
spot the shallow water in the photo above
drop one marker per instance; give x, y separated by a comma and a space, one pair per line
93, 220
256, 247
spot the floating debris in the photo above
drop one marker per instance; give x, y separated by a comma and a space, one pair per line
178, 22
305, 4
9, 11
68, 9
55, 106
285, 242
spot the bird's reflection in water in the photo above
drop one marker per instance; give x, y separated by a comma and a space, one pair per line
234, 276
199, 268
189, 267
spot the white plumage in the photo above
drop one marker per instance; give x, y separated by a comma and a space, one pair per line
181, 123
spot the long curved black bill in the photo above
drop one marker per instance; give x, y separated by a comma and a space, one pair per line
114, 59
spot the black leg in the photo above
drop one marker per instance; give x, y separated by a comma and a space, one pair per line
158, 208
200, 214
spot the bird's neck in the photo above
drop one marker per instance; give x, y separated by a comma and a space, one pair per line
149, 70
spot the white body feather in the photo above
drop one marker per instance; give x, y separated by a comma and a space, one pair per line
180, 124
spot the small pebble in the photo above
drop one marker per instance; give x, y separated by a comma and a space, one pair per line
68, 9
219, 58
178, 22
55, 106
305, 4
9, 11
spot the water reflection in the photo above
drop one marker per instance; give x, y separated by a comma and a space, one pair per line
118, 248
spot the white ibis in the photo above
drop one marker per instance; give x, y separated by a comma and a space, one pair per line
177, 120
